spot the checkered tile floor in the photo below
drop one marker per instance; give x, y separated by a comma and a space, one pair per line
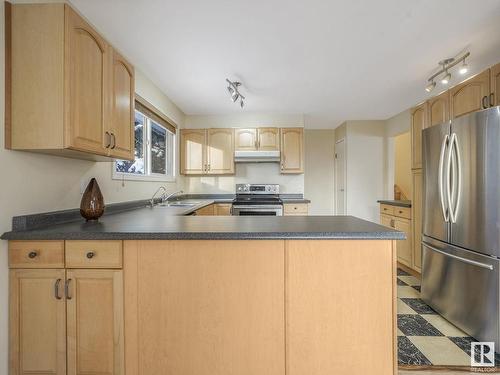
424, 337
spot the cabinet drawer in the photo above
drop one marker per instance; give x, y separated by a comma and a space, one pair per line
295, 209
94, 254
386, 209
36, 254
402, 212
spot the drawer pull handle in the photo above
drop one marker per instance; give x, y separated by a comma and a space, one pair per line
56, 289
32, 254
400, 212
66, 289
90, 254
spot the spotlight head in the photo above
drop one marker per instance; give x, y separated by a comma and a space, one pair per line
430, 86
464, 68
446, 78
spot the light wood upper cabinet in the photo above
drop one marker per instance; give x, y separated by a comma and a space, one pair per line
79, 91
205, 307
439, 109
471, 95
264, 139
292, 150
268, 139
494, 98
207, 151
193, 151
417, 219
37, 322
418, 123
220, 151
245, 139
121, 128
87, 83
95, 322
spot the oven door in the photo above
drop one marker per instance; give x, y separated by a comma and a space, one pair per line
257, 210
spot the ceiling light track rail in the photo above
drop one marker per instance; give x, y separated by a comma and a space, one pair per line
446, 65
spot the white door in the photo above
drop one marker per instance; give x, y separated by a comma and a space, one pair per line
340, 177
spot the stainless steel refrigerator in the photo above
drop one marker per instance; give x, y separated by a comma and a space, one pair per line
461, 222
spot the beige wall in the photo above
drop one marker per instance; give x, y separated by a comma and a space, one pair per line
319, 170
37, 183
402, 163
263, 173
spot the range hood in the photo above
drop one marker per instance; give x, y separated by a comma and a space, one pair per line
257, 156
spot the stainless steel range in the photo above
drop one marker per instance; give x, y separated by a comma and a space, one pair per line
255, 200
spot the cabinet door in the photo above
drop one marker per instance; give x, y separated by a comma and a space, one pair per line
37, 322
95, 322
121, 127
193, 151
206, 211
417, 219
335, 292
223, 209
220, 151
386, 221
404, 246
292, 150
87, 69
205, 307
418, 123
268, 139
495, 86
245, 139
471, 95
439, 109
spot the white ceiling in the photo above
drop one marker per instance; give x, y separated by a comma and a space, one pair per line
332, 60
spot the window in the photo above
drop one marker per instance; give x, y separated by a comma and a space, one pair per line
154, 150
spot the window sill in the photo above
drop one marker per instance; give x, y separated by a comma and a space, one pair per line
150, 178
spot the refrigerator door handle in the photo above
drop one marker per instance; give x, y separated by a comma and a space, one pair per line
465, 260
440, 178
452, 188
456, 148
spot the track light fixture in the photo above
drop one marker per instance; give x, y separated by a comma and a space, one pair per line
445, 66
232, 88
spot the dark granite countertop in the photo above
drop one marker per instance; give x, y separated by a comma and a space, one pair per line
163, 223
396, 203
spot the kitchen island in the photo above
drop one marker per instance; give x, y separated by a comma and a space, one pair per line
147, 293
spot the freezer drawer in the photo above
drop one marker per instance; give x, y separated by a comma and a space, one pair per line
463, 287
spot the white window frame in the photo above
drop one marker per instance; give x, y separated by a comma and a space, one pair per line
148, 175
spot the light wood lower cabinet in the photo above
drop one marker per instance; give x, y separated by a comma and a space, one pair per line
399, 218
223, 209
37, 331
295, 209
417, 219
95, 322
340, 313
205, 307
65, 321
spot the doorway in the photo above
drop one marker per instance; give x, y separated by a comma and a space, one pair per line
340, 178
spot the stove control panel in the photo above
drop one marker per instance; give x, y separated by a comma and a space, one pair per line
257, 189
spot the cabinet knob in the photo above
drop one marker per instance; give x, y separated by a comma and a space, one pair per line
483, 102
492, 100
114, 141
90, 254
32, 254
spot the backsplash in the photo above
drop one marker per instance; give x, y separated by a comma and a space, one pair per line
246, 173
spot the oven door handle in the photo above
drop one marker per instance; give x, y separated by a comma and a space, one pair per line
259, 206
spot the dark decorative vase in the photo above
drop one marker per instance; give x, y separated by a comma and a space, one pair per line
92, 205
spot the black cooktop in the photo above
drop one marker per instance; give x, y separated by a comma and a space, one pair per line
250, 199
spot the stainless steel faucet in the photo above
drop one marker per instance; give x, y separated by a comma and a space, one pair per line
152, 200
165, 198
